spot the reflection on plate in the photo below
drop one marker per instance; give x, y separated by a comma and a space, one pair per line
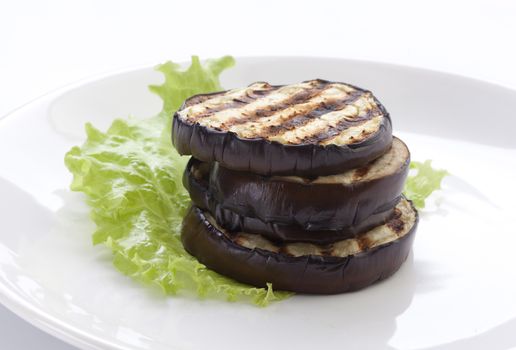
456, 291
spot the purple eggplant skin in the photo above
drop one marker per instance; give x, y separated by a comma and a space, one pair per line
291, 233
309, 274
265, 157
200, 195
311, 206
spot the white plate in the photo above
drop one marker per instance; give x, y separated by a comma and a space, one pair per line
457, 290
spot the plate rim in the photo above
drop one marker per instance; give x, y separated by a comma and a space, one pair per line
111, 73
75, 336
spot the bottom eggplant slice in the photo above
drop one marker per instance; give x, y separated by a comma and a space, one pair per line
338, 267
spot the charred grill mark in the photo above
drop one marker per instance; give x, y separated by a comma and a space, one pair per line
250, 96
283, 249
395, 223
297, 98
364, 243
363, 135
396, 214
328, 250
297, 119
333, 131
361, 172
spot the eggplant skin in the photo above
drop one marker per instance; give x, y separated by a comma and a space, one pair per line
197, 186
311, 274
274, 205
264, 157
290, 233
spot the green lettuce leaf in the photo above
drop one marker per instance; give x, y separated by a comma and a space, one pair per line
181, 84
425, 181
131, 176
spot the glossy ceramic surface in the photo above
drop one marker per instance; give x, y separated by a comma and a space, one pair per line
456, 291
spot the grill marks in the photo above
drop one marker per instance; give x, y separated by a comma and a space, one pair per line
236, 102
297, 98
396, 223
295, 119
345, 123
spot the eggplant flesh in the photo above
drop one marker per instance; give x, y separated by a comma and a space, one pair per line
326, 203
316, 137
343, 266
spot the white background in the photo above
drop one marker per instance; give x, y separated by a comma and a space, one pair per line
47, 44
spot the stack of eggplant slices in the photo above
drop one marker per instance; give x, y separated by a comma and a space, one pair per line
296, 185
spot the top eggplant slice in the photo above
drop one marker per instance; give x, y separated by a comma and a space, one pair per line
308, 129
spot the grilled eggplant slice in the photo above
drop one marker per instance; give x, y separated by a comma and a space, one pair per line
320, 210
343, 266
279, 232
309, 129
196, 180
